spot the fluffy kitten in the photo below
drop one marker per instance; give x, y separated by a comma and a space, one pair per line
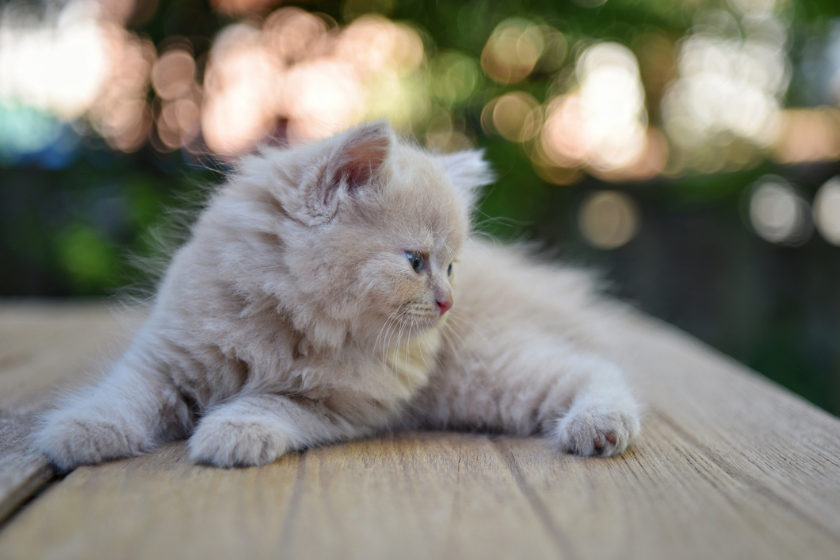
312, 305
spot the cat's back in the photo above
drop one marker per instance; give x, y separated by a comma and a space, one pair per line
513, 274
506, 287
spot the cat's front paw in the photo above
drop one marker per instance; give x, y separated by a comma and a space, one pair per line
597, 430
226, 441
70, 439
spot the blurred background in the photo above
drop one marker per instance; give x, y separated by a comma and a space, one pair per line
690, 150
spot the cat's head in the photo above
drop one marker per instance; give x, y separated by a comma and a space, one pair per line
356, 235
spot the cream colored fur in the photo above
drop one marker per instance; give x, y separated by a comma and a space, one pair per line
293, 317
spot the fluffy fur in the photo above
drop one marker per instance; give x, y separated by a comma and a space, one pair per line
294, 317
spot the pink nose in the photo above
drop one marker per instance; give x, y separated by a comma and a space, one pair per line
444, 305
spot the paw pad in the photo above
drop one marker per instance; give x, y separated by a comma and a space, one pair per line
596, 431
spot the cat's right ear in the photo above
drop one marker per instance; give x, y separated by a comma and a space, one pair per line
468, 171
353, 163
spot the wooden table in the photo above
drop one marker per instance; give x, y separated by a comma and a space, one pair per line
729, 466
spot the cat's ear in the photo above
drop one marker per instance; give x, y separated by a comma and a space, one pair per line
468, 171
353, 162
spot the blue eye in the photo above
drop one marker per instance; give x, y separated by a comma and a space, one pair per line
416, 260
449, 270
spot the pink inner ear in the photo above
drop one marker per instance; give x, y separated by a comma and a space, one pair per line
353, 163
363, 158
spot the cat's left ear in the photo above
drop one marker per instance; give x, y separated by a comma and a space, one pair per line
353, 162
468, 171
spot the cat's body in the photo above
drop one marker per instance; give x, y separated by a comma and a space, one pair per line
312, 304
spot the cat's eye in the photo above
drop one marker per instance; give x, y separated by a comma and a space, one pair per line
416, 260
449, 270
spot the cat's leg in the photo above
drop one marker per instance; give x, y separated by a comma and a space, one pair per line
531, 382
129, 412
590, 410
256, 429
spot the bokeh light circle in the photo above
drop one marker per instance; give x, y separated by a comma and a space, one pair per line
827, 211
512, 51
778, 213
517, 116
608, 219
172, 74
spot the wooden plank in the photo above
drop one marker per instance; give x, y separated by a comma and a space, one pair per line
412, 496
22, 471
416, 496
729, 466
664, 499
44, 349
768, 438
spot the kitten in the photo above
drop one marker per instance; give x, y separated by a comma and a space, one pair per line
332, 290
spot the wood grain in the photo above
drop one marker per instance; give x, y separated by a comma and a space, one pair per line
729, 466
44, 349
22, 472
411, 496
766, 437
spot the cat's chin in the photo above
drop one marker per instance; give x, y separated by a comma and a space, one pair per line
417, 327
433, 322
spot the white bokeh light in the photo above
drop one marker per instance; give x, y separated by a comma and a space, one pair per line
57, 65
732, 75
827, 211
778, 213
296, 77
604, 123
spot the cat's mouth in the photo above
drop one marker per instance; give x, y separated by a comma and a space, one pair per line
422, 316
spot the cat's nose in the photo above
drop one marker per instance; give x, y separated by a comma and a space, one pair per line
444, 305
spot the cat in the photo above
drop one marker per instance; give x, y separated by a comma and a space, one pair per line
333, 290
